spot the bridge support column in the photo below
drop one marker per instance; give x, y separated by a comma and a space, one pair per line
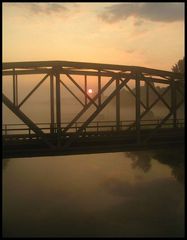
147, 95
58, 105
52, 102
99, 89
85, 89
117, 106
15, 88
173, 103
138, 118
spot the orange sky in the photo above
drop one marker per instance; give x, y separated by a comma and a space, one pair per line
139, 34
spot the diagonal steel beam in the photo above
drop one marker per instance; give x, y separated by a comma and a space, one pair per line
155, 102
33, 90
87, 106
160, 97
163, 121
71, 92
81, 89
93, 115
148, 109
130, 90
26, 120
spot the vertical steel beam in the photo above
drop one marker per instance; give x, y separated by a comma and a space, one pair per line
15, 88
58, 105
147, 94
117, 106
138, 119
16, 83
99, 88
173, 103
85, 89
52, 102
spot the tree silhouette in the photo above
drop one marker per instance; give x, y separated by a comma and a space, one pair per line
179, 66
174, 158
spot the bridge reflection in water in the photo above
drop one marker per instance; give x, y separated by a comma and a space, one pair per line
89, 136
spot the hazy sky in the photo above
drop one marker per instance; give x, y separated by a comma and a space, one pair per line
140, 34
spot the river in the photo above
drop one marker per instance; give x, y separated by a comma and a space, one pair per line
137, 194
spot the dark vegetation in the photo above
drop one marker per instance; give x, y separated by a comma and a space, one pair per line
174, 158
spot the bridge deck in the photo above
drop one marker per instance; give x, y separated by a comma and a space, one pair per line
24, 145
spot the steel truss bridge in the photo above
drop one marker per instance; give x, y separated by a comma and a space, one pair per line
90, 136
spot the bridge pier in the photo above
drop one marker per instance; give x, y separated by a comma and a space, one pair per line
85, 89
173, 103
138, 118
117, 106
147, 95
15, 88
99, 88
52, 103
58, 105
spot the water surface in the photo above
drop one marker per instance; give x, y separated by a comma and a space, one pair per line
138, 194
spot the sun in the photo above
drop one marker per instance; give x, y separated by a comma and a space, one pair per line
90, 91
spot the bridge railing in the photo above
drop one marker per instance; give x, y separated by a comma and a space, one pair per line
98, 126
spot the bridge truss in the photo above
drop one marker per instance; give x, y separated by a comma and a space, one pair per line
62, 139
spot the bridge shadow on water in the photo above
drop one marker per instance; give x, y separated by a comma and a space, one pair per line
174, 158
